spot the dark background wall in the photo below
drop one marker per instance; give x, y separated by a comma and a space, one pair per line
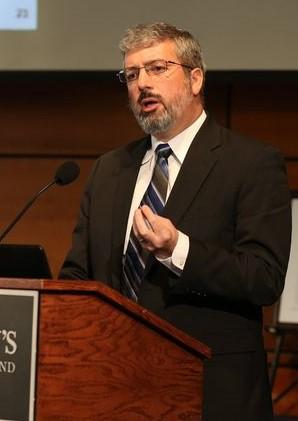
48, 117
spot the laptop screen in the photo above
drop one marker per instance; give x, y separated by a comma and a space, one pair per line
24, 261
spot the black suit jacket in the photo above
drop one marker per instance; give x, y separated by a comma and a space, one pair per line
231, 198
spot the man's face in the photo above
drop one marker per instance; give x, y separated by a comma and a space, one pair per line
167, 103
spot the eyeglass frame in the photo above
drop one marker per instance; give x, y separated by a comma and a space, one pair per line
122, 75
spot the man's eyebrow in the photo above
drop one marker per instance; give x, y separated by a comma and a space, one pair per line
131, 67
146, 64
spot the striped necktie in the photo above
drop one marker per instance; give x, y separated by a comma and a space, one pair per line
154, 197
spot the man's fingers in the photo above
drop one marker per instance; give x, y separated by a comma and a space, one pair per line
149, 215
141, 227
154, 232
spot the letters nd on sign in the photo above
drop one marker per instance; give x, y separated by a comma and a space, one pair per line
18, 336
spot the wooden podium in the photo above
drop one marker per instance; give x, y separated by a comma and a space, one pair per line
100, 356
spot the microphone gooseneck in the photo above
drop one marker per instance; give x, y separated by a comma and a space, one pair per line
65, 174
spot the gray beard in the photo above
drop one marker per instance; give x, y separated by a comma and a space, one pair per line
151, 124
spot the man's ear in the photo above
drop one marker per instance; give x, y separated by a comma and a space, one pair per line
197, 78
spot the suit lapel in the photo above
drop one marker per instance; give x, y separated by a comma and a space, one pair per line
126, 175
199, 161
197, 165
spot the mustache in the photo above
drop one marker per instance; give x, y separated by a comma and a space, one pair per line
146, 94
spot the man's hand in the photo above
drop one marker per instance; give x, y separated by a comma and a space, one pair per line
155, 233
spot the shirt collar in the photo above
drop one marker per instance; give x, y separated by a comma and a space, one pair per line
180, 143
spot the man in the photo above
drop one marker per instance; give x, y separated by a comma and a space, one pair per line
205, 244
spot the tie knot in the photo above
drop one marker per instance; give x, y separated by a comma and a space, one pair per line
163, 150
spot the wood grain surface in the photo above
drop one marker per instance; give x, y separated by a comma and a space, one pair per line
102, 357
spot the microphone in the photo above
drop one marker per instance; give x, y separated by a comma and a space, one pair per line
65, 174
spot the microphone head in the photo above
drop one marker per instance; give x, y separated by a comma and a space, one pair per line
67, 173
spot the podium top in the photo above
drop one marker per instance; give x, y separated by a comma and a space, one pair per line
112, 296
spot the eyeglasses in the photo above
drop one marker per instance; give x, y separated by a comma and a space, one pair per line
154, 68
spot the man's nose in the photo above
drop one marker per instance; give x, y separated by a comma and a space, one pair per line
144, 80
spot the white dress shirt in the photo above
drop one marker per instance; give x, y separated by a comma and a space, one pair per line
179, 145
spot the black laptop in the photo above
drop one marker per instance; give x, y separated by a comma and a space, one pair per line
23, 261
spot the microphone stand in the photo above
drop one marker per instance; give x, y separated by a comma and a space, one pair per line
25, 208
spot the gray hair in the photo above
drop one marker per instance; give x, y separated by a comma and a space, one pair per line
188, 48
